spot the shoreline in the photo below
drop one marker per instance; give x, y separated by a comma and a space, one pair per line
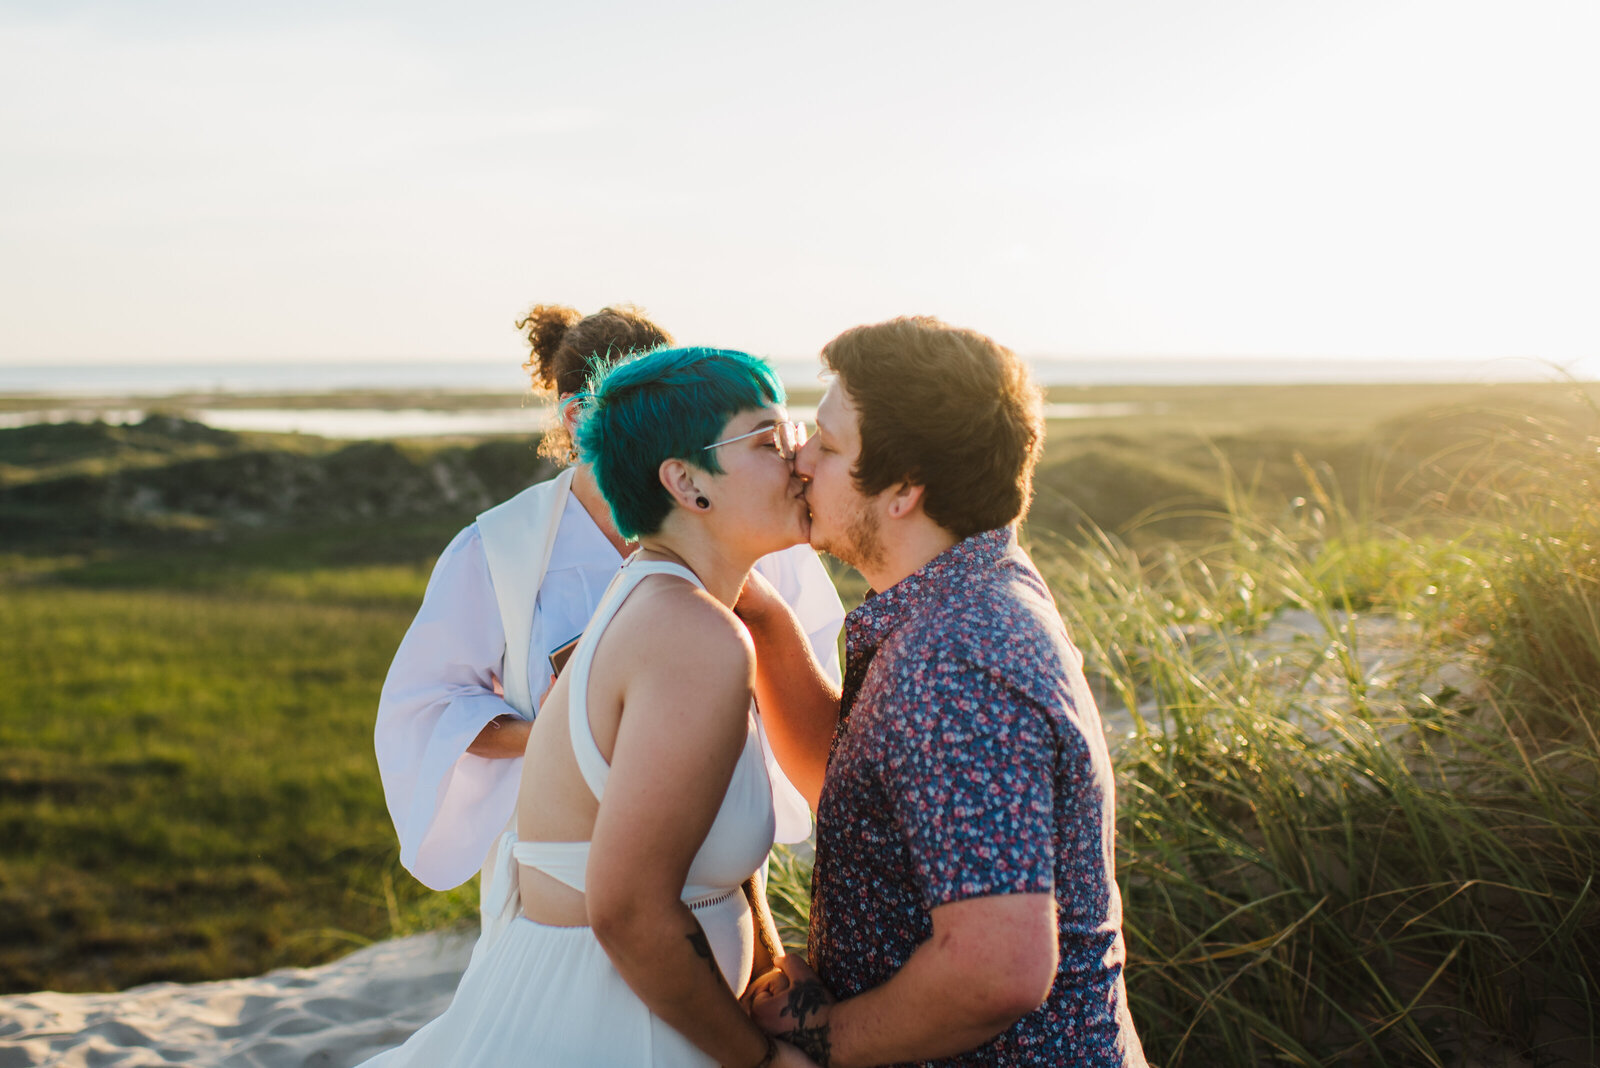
1071, 410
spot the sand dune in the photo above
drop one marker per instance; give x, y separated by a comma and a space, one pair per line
337, 1014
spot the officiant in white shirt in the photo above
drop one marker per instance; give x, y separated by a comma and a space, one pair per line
513, 588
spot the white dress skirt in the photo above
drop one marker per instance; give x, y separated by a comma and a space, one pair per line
534, 994
541, 995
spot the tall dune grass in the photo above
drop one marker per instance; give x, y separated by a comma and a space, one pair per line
1336, 859
1333, 852
1540, 581
1321, 865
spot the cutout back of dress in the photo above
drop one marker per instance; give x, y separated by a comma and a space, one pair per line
742, 833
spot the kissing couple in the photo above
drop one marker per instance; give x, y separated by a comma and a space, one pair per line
659, 606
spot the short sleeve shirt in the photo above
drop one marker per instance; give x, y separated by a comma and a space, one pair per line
969, 761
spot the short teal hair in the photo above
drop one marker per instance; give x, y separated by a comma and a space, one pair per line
664, 405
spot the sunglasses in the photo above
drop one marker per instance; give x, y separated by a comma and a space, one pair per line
787, 438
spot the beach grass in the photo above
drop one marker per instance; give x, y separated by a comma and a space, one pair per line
1357, 764
1354, 681
1327, 860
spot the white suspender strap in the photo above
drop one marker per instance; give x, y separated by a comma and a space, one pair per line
518, 537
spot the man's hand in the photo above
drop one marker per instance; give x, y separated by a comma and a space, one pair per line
795, 1008
767, 985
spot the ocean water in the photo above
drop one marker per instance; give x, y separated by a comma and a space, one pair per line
360, 424
139, 381
159, 379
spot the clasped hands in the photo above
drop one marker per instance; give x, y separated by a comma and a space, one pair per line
789, 1002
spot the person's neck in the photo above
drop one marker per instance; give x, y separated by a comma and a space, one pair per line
908, 546
588, 494
722, 572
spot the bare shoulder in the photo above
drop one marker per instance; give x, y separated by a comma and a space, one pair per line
675, 629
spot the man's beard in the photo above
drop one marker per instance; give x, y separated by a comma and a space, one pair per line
859, 544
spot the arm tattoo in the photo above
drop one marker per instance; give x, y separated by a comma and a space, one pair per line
702, 948
805, 1001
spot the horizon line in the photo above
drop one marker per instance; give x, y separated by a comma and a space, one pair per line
1079, 357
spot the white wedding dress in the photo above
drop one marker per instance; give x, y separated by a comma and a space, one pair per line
540, 995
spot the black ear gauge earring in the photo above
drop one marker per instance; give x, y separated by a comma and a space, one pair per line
701, 502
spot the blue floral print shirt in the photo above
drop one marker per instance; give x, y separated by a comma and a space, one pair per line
969, 761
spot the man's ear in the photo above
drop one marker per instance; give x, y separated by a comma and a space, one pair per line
905, 500
679, 479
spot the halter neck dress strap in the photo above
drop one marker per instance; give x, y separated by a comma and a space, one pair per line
749, 794
590, 762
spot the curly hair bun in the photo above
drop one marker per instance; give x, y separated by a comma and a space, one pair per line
566, 347
546, 325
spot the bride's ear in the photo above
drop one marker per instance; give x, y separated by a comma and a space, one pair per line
679, 479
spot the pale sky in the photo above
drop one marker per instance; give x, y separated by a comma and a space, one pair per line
337, 180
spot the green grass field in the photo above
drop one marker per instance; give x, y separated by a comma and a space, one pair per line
188, 781
1322, 862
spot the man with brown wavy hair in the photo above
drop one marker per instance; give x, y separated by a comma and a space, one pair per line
964, 905
948, 414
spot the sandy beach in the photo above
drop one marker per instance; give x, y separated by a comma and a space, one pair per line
336, 1015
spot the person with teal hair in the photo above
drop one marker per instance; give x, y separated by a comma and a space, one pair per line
641, 412
513, 589
616, 931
